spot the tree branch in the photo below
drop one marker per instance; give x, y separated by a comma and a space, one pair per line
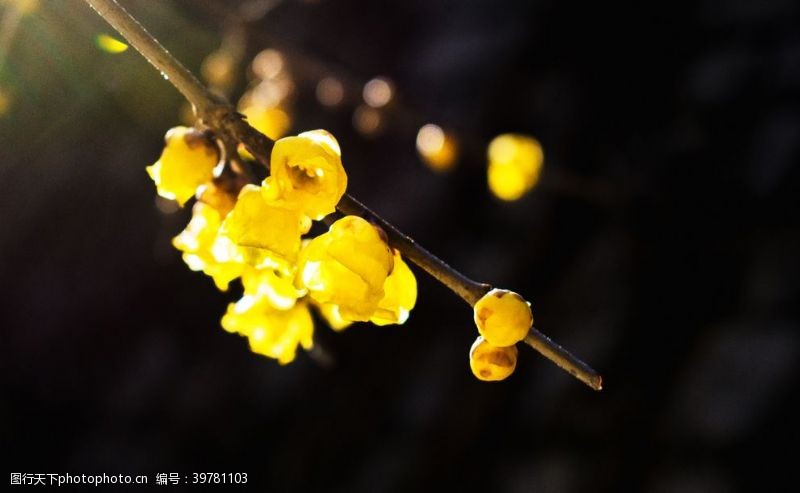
220, 116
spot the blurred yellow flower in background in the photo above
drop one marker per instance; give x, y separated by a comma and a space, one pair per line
515, 163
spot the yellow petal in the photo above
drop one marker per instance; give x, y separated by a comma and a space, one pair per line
268, 233
400, 295
199, 243
347, 267
270, 284
187, 161
307, 172
271, 332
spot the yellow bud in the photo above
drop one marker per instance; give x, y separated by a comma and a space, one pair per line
503, 317
400, 295
187, 161
491, 363
515, 162
307, 172
347, 266
272, 332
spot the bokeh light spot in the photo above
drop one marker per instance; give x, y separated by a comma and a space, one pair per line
268, 64
219, 69
109, 44
367, 120
378, 92
437, 148
330, 91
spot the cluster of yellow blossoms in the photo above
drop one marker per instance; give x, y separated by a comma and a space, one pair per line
515, 165
503, 318
256, 233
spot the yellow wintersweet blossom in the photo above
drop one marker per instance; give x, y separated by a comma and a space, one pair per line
277, 288
503, 317
491, 363
347, 266
272, 332
400, 295
307, 172
515, 163
268, 233
187, 161
200, 246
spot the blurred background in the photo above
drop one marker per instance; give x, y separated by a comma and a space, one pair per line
660, 245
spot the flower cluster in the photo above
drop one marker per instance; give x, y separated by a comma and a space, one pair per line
503, 319
256, 233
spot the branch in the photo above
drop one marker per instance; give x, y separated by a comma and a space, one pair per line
221, 116
564, 359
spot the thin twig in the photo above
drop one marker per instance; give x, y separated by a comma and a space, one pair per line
158, 56
564, 359
221, 116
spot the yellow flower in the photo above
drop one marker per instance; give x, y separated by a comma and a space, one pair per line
187, 161
491, 363
277, 288
515, 162
347, 266
199, 244
503, 317
272, 332
307, 172
400, 295
268, 233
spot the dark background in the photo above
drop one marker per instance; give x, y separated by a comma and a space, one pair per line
661, 246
